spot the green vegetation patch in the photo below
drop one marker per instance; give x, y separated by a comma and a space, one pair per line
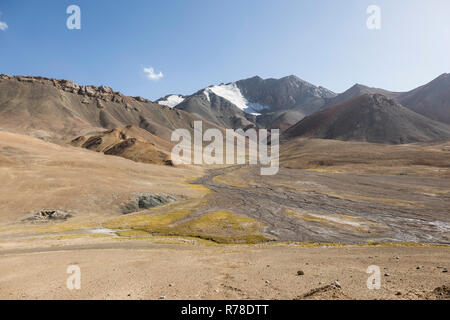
220, 227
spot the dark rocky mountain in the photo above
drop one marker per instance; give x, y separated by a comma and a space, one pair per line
358, 90
370, 118
288, 93
254, 102
431, 100
279, 120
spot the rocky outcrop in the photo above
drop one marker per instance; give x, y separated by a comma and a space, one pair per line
47, 215
101, 93
145, 201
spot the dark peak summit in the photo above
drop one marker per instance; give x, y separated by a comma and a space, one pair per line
361, 88
256, 78
358, 90
293, 78
358, 86
287, 93
443, 78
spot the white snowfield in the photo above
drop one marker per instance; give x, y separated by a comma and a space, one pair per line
172, 101
232, 93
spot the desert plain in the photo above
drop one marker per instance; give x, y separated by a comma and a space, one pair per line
309, 232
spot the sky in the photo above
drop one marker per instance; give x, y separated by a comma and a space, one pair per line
153, 48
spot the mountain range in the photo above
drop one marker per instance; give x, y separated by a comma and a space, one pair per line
104, 120
281, 103
254, 102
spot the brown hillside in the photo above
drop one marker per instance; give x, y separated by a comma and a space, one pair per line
130, 142
60, 110
370, 118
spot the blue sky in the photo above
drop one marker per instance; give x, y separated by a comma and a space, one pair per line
196, 43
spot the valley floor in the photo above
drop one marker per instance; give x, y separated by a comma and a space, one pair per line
231, 234
320, 205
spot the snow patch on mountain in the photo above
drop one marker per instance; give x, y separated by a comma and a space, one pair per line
206, 93
232, 93
171, 101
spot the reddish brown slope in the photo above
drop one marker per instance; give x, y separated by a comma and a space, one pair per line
370, 118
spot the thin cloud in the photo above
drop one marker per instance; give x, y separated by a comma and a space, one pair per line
3, 26
152, 75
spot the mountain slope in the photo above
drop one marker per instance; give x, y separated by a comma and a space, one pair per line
279, 120
38, 175
370, 118
430, 159
431, 100
60, 110
217, 109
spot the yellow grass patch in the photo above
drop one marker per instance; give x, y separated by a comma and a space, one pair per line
220, 227
199, 187
147, 222
226, 180
402, 244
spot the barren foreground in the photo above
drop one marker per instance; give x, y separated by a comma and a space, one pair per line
140, 270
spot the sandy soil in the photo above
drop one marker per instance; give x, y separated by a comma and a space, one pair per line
415, 159
140, 270
38, 175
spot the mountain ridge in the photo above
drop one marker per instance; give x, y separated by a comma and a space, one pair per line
60, 110
370, 118
431, 100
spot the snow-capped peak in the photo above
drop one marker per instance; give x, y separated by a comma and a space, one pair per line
232, 93
172, 100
